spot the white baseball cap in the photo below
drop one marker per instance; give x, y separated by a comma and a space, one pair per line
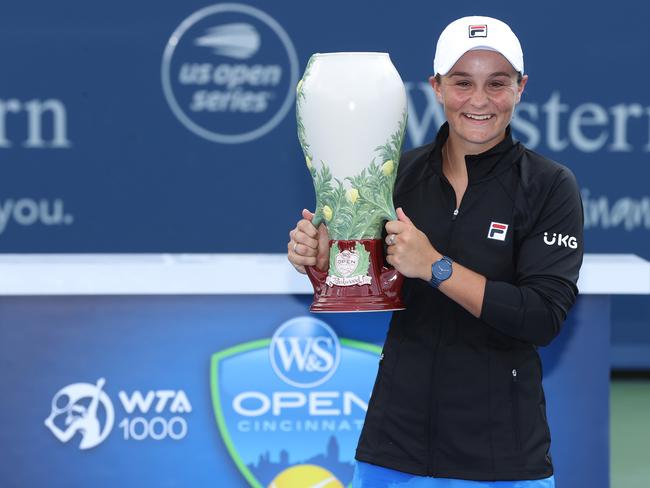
476, 32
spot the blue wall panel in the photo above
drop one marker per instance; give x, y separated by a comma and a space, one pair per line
166, 344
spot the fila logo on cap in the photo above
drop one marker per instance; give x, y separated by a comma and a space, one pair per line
498, 231
478, 31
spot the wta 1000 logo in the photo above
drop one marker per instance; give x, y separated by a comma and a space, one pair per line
85, 411
290, 409
229, 73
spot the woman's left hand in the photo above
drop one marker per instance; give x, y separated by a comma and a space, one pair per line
409, 249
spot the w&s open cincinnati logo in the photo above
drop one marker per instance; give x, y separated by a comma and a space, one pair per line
229, 73
290, 409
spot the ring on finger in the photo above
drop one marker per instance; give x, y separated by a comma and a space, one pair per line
391, 239
295, 246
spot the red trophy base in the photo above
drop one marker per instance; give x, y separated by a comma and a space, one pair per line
377, 290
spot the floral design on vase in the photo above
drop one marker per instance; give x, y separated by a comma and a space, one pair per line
358, 207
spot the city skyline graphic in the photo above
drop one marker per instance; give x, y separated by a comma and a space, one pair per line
265, 470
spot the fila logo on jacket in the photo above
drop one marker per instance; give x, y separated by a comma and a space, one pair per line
498, 231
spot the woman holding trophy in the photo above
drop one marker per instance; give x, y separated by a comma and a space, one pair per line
489, 237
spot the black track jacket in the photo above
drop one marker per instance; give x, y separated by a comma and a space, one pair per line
461, 397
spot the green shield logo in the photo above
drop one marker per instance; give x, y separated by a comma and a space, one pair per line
290, 408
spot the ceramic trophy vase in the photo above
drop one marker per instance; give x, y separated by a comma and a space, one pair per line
351, 114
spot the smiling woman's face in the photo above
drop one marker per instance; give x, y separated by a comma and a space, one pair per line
479, 95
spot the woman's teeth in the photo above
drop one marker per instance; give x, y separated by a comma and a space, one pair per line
478, 117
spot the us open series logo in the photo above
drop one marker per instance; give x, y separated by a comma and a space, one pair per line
229, 73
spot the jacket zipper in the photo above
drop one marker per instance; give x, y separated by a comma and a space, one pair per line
430, 462
430, 458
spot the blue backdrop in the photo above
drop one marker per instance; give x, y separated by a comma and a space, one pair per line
169, 127
124, 127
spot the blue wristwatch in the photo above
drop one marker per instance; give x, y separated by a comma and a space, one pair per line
440, 271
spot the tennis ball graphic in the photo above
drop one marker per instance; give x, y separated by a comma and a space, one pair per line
305, 476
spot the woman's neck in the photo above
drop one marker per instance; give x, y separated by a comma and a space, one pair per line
453, 160
455, 149
461, 147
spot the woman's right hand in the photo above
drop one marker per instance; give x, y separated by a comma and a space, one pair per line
308, 246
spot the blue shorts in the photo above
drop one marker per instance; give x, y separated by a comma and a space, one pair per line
371, 476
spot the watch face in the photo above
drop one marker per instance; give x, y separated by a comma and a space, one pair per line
442, 269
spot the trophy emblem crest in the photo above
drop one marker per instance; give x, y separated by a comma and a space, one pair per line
346, 262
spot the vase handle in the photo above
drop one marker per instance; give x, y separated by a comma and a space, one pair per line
391, 279
317, 278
